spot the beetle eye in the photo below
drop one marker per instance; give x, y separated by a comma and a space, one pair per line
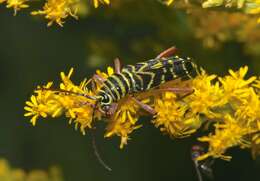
105, 98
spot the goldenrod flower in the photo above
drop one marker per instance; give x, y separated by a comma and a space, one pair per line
231, 103
249, 108
249, 6
57, 10
227, 134
38, 106
235, 87
172, 116
16, 4
123, 122
69, 100
206, 96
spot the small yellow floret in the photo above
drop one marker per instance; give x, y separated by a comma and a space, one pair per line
57, 10
16, 5
123, 122
171, 116
227, 134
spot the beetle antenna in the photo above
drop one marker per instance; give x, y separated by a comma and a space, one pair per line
96, 152
94, 145
69, 92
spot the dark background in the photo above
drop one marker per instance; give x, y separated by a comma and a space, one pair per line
32, 54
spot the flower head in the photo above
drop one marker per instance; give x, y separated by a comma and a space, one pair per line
38, 105
227, 134
249, 6
172, 116
16, 4
57, 10
236, 88
231, 103
69, 100
123, 122
207, 95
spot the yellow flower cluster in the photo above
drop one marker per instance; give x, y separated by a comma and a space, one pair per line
214, 32
249, 6
7, 173
15, 4
55, 11
54, 103
123, 122
173, 117
230, 103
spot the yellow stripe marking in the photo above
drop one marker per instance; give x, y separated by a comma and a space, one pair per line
110, 92
113, 88
185, 69
126, 80
122, 87
131, 76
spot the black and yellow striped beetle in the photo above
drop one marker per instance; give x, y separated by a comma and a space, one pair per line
141, 77
138, 78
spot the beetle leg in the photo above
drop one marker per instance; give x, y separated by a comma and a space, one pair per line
97, 79
185, 95
186, 91
86, 103
144, 106
117, 65
167, 53
176, 90
112, 109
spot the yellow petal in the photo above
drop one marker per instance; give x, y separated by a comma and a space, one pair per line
28, 114
49, 84
123, 141
70, 72
130, 117
72, 114
34, 100
29, 103
95, 3
34, 119
57, 112
123, 118
43, 114
203, 157
28, 109
62, 75
110, 71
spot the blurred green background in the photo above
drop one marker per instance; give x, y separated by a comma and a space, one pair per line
32, 54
